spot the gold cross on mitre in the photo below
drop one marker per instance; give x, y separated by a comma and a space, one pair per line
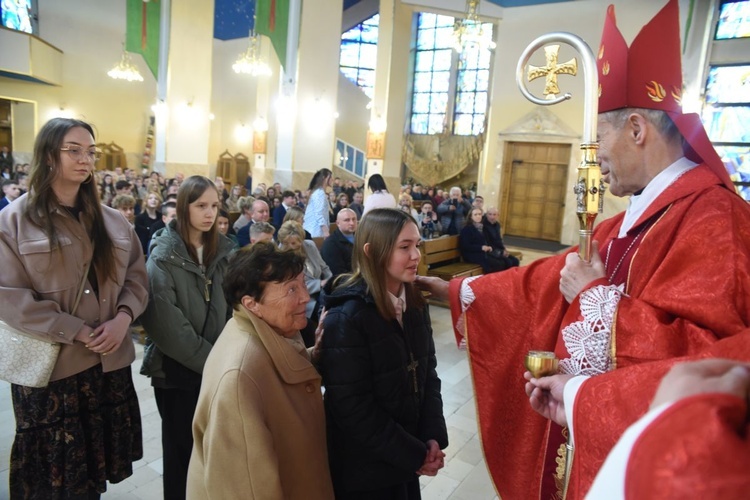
551, 70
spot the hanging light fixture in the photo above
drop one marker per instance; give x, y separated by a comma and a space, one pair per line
469, 31
125, 69
249, 62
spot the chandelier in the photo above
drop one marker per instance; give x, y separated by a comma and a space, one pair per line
125, 69
469, 31
249, 62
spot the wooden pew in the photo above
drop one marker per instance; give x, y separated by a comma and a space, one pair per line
441, 257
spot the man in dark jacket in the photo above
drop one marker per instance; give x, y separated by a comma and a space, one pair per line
287, 202
493, 235
453, 212
337, 248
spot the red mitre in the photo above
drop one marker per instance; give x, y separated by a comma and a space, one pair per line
649, 76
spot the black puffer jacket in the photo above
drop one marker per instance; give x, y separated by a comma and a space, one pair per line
377, 424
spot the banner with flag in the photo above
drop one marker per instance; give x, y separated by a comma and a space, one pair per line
272, 20
142, 31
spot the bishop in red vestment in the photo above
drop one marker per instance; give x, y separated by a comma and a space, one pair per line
672, 277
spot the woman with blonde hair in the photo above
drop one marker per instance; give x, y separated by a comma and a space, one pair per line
292, 237
382, 399
73, 274
232, 202
186, 313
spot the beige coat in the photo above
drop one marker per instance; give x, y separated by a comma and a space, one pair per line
259, 427
38, 287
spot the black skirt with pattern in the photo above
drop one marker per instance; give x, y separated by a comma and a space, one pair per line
75, 435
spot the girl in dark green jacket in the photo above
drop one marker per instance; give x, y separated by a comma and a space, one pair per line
186, 313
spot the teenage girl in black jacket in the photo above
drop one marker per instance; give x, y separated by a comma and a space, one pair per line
383, 406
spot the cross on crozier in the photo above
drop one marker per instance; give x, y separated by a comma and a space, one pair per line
552, 69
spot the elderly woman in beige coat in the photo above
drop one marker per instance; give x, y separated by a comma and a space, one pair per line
259, 428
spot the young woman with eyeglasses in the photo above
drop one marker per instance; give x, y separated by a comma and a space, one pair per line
84, 428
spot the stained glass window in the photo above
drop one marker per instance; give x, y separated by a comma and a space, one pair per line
734, 20
726, 117
450, 91
359, 51
350, 158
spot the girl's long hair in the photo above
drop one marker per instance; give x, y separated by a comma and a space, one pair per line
42, 201
319, 178
190, 190
380, 228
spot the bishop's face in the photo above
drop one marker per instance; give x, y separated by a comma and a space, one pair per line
619, 159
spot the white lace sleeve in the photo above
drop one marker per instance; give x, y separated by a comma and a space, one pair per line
466, 296
588, 341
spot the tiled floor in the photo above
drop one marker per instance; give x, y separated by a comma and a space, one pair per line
464, 477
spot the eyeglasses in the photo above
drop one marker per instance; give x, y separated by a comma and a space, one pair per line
78, 153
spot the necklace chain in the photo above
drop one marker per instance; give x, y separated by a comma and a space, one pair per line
622, 259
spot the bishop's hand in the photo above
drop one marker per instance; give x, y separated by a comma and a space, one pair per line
577, 274
546, 396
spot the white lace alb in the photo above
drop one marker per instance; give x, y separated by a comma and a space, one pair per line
588, 341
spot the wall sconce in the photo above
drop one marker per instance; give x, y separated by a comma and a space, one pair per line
243, 133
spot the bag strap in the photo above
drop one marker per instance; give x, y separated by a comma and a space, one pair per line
80, 288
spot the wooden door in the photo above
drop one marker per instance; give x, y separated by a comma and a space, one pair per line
534, 181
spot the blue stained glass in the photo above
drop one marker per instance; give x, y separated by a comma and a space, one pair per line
441, 81
341, 149
418, 123
422, 82
478, 126
359, 164
469, 59
425, 39
734, 20
370, 30
467, 81
353, 34
424, 60
350, 73
462, 124
727, 124
737, 161
465, 102
480, 102
368, 56
483, 80
366, 78
444, 37
445, 21
728, 84
436, 124
442, 60
349, 54
350, 158
421, 103
439, 102
427, 20
485, 56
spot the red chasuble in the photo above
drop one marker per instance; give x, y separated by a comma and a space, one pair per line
697, 448
687, 285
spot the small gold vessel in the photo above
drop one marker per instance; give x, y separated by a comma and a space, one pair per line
541, 363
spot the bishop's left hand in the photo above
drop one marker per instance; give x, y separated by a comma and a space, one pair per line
546, 396
577, 274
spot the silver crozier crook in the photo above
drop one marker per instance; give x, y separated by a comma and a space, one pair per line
589, 187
